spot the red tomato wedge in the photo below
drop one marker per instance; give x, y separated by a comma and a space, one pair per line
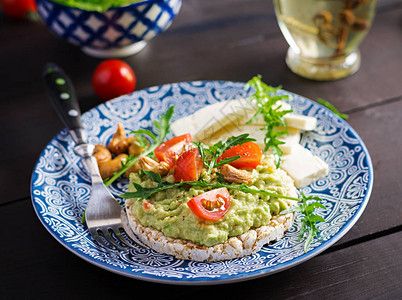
170, 150
147, 205
250, 155
212, 205
188, 166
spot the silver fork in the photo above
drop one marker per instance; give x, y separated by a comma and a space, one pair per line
104, 216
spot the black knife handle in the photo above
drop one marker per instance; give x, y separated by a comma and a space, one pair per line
62, 95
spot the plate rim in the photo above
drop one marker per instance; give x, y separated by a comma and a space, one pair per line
239, 276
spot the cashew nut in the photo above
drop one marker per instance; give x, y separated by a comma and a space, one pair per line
163, 168
102, 154
108, 168
118, 144
146, 163
232, 174
121, 144
133, 148
133, 169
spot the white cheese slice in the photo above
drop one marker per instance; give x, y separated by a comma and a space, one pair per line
211, 118
222, 120
235, 129
299, 121
255, 132
291, 139
303, 166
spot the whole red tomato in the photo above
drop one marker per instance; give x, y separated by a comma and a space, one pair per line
113, 78
18, 8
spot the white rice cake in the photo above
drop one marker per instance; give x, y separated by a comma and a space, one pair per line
246, 244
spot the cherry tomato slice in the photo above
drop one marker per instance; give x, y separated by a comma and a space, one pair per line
18, 8
113, 78
170, 150
212, 205
250, 155
188, 166
147, 205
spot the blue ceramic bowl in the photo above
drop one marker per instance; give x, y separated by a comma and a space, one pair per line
117, 32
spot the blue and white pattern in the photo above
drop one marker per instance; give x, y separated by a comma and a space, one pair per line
61, 187
117, 27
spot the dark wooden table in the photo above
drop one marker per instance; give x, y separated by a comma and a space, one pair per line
209, 40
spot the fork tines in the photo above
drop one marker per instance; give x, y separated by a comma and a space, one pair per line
111, 238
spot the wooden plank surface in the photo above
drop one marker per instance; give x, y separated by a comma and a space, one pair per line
383, 210
48, 268
258, 54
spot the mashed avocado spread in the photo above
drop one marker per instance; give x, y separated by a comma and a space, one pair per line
168, 212
96, 5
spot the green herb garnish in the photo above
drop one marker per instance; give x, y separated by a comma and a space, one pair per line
96, 5
309, 220
266, 99
83, 217
142, 141
144, 193
210, 154
163, 126
332, 108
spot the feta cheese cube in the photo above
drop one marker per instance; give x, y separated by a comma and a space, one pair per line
291, 139
301, 122
303, 166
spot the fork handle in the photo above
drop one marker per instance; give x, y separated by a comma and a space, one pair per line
64, 100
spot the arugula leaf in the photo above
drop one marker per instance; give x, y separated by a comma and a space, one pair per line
141, 140
83, 217
228, 160
163, 125
309, 220
332, 108
143, 193
211, 154
220, 178
153, 176
266, 98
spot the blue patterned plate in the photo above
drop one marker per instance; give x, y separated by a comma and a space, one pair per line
60, 186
